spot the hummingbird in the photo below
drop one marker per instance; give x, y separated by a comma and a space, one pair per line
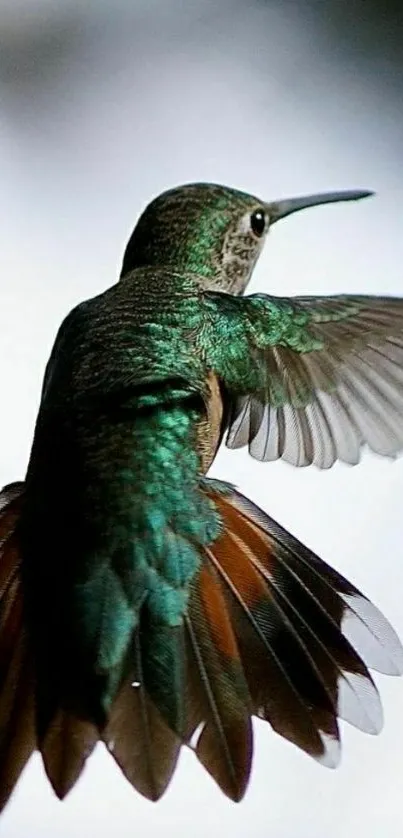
145, 604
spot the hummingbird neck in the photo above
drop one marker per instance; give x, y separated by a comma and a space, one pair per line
211, 269
186, 235
185, 252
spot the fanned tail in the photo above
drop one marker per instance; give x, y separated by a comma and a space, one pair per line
275, 632
268, 630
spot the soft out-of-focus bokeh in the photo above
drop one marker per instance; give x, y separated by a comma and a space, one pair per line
102, 106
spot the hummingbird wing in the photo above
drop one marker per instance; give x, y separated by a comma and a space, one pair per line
323, 377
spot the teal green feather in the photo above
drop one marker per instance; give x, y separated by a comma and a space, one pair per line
310, 379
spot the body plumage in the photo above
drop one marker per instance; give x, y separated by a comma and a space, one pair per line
145, 604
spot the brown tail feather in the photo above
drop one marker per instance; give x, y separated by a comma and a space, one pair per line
68, 743
17, 725
17, 734
138, 738
220, 729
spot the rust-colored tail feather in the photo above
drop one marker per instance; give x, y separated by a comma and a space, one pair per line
219, 710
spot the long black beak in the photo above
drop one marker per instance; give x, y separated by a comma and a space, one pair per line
280, 209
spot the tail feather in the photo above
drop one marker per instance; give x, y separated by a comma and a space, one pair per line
163, 669
66, 746
219, 707
17, 721
17, 729
137, 736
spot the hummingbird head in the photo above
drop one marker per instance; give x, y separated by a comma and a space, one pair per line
212, 231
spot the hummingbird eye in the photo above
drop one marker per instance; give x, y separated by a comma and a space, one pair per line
258, 222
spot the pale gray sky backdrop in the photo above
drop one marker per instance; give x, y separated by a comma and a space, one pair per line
100, 110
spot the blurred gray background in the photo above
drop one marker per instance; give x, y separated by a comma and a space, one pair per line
102, 106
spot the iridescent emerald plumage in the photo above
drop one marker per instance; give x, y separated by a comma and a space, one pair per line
148, 605
313, 379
